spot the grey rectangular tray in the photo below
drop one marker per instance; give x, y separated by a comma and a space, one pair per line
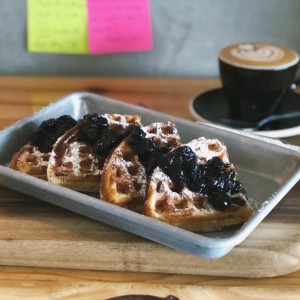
267, 168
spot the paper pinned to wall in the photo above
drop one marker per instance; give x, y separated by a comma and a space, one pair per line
119, 26
57, 26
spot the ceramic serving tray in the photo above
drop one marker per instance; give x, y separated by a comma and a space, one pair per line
267, 168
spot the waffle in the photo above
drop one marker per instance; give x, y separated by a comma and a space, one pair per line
124, 177
145, 169
74, 164
33, 157
30, 160
178, 205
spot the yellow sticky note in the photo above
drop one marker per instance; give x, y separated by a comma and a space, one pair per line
57, 26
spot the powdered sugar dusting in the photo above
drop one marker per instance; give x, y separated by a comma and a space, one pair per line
163, 134
122, 120
78, 160
41, 158
123, 163
205, 149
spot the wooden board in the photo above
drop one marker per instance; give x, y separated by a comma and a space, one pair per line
64, 284
35, 233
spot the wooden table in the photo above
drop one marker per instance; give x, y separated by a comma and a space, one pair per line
19, 97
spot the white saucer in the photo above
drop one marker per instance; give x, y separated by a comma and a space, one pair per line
212, 107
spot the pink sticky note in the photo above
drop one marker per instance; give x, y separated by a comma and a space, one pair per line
119, 26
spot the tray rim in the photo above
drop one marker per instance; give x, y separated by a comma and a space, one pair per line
199, 242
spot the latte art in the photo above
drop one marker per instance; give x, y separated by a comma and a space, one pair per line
258, 56
257, 53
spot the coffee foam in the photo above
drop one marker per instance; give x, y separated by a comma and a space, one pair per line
258, 56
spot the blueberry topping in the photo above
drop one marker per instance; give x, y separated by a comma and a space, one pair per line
49, 131
177, 163
109, 138
220, 200
95, 130
145, 148
91, 127
64, 123
214, 178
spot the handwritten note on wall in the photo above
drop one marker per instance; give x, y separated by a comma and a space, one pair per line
57, 26
88, 26
119, 26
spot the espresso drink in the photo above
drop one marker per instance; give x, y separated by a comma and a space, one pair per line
255, 78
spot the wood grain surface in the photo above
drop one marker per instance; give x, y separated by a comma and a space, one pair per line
33, 231
49, 253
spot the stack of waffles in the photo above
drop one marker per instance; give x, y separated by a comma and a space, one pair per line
142, 168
